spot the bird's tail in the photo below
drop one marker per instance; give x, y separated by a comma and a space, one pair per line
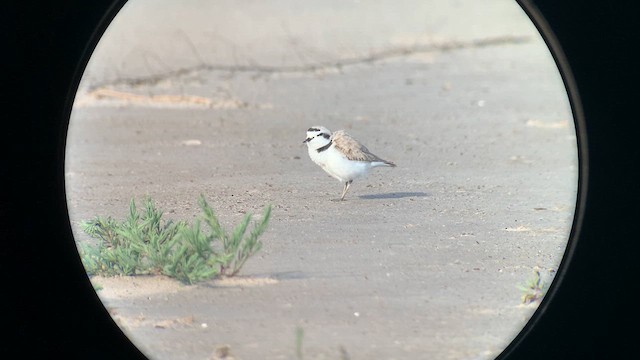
383, 163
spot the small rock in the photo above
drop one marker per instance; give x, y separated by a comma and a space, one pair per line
222, 352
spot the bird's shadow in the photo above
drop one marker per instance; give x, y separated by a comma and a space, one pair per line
394, 195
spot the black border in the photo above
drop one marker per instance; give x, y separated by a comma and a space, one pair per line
583, 159
591, 315
59, 316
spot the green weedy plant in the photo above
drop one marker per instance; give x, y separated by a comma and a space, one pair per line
145, 244
299, 338
236, 247
344, 355
534, 289
133, 246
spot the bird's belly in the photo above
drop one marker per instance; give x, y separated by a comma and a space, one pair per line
338, 166
345, 170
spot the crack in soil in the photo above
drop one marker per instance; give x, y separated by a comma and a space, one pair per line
339, 65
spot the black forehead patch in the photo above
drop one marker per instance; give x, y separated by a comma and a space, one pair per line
313, 129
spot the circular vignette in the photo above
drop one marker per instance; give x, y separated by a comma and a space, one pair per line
545, 30
556, 51
122, 344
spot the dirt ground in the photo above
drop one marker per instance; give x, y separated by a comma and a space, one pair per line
421, 261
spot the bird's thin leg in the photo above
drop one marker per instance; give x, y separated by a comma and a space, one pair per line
346, 188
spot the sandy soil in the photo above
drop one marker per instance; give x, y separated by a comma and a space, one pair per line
420, 261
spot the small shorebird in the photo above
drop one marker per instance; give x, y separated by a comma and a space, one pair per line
340, 155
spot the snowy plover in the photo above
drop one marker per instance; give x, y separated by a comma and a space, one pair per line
340, 155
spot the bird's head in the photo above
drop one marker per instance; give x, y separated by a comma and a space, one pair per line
317, 137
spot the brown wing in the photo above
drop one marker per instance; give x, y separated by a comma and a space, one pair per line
352, 148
